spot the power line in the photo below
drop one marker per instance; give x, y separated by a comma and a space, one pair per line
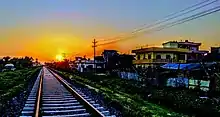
174, 17
168, 17
202, 14
181, 21
169, 25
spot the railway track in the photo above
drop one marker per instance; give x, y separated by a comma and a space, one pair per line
51, 96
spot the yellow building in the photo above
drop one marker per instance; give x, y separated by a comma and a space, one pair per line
157, 55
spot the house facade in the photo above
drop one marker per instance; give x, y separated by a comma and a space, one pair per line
194, 48
87, 65
171, 52
156, 56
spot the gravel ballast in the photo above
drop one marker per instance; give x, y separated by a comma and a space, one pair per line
89, 91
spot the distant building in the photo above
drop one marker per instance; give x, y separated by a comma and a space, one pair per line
114, 60
100, 63
194, 52
9, 67
214, 55
108, 54
215, 50
125, 61
87, 65
172, 51
182, 44
110, 58
156, 56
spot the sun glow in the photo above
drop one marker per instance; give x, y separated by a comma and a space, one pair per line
59, 57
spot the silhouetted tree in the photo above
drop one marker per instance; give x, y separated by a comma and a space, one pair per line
6, 59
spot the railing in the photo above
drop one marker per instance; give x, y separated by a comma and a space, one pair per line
161, 60
144, 61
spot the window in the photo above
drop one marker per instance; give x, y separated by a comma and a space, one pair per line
158, 57
149, 56
182, 57
138, 57
144, 56
168, 57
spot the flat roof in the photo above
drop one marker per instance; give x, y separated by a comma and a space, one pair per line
160, 49
183, 43
190, 43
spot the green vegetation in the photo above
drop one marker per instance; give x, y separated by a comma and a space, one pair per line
12, 82
125, 94
19, 63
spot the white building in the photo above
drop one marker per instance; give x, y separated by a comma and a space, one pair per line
86, 65
9, 67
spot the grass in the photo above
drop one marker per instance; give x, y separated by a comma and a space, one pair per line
117, 91
12, 82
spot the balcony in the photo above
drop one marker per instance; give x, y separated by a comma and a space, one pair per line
161, 60
147, 61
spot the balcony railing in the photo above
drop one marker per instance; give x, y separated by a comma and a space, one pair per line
161, 60
144, 61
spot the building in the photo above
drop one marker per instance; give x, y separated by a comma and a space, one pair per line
9, 67
158, 55
182, 44
110, 59
172, 51
125, 61
214, 55
87, 65
215, 50
194, 52
100, 63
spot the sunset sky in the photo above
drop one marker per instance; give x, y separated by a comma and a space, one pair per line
45, 28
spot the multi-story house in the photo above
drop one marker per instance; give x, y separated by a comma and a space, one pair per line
172, 51
194, 52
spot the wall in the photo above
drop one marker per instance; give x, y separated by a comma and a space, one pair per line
154, 54
170, 45
154, 60
163, 55
128, 75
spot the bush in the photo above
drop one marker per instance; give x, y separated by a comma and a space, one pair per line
181, 100
11, 83
131, 105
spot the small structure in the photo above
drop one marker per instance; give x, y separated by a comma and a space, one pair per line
10, 67
190, 75
87, 65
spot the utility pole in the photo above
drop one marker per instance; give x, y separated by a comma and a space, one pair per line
64, 55
94, 46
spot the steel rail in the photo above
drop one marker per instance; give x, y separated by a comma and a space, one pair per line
94, 112
38, 100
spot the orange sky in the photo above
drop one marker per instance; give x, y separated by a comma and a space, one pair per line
47, 39
43, 34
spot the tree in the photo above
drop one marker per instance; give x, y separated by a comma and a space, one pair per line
6, 59
15, 61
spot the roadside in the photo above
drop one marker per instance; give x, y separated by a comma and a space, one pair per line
14, 88
114, 91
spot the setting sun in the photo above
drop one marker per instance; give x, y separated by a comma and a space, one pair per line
59, 57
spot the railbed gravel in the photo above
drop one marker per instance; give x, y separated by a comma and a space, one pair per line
14, 106
98, 97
